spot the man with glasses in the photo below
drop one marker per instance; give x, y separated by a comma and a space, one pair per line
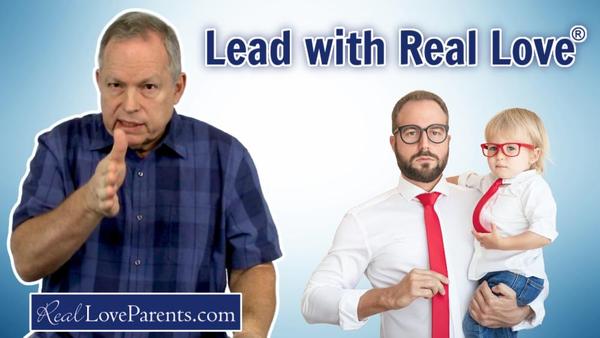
414, 245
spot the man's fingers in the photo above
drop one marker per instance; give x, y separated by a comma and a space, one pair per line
478, 297
434, 285
474, 310
106, 193
479, 305
115, 207
109, 192
427, 274
119, 148
107, 204
486, 293
110, 205
438, 288
110, 179
424, 293
504, 290
440, 277
423, 283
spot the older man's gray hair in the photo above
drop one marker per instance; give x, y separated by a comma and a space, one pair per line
136, 24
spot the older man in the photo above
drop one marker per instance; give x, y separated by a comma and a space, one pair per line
141, 199
414, 244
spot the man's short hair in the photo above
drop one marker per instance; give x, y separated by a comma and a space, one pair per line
417, 95
139, 24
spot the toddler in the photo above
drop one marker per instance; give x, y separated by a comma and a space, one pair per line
516, 216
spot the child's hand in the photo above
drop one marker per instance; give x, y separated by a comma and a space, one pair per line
491, 240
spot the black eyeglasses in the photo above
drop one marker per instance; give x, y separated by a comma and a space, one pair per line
411, 134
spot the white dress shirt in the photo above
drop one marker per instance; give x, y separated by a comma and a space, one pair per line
385, 239
522, 203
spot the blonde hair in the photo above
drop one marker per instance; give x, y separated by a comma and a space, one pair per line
514, 120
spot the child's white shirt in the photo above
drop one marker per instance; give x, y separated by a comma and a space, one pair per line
522, 203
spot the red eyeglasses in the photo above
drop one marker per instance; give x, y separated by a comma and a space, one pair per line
510, 149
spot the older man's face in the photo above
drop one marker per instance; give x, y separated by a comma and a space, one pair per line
423, 161
137, 92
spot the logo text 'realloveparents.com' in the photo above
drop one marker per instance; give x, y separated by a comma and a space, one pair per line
135, 312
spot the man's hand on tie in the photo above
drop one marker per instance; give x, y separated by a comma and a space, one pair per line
417, 283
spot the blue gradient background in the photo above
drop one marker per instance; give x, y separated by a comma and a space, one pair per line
319, 136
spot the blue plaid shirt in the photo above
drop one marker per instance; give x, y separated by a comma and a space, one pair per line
190, 209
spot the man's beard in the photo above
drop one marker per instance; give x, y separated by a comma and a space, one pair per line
425, 174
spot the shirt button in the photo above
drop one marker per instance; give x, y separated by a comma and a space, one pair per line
139, 217
137, 262
140, 173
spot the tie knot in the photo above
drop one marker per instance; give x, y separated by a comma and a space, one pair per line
497, 183
428, 198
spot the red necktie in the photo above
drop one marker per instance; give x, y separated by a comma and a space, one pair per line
440, 305
477, 212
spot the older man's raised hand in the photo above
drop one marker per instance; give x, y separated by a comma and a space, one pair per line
102, 189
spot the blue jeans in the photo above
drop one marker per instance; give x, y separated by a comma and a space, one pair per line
527, 289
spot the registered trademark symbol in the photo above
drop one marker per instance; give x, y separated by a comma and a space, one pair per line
578, 33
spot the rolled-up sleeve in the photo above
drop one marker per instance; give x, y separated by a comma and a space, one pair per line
475, 181
330, 296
